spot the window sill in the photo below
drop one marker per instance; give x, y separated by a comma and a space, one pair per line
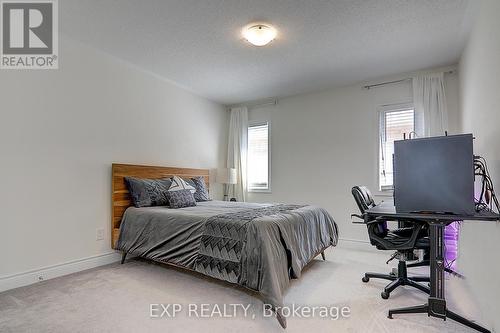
259, 191
385, 193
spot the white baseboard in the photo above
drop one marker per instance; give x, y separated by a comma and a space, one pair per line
357, 244
50, 272
353, 240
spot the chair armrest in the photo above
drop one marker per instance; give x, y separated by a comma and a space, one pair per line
392, 219
364, 216
361, 217
377, 220
408, 245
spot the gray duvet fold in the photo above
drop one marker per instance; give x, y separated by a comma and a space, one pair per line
224, 243
258, 246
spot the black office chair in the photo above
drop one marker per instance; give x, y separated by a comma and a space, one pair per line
403, 240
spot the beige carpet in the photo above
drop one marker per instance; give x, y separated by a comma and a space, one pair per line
117, 298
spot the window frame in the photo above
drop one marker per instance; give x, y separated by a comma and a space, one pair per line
382, 111
255, 123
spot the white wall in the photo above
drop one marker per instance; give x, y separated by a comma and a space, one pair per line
60, 130
480, 114
324, 143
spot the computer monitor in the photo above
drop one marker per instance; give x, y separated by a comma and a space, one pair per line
434, 175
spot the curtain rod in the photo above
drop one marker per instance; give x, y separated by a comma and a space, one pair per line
368, 87
255, 105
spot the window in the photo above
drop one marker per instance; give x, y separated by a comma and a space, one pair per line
395, 123
258, 157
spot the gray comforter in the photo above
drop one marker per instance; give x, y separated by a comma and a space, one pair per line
258, 246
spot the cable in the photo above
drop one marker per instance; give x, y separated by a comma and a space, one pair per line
493, 198
487, 197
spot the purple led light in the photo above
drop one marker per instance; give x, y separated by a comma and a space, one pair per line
451, 243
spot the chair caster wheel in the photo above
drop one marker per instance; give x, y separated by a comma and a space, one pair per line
384, 295
365, 279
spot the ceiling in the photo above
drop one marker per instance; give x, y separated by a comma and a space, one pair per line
197, 44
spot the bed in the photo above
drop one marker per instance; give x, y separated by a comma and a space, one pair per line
257, 246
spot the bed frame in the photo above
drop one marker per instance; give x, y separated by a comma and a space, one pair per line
120, 197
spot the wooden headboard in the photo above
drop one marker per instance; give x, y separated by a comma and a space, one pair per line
120, 197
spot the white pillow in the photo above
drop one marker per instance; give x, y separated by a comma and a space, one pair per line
180, 184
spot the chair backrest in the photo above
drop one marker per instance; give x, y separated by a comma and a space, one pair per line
363, 198
378, 231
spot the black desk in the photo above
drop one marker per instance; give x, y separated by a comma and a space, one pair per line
436, 304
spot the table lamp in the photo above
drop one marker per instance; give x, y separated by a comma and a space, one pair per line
226, 176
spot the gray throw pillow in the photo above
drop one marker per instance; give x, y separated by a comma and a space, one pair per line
181, 199
201, 193
148, 192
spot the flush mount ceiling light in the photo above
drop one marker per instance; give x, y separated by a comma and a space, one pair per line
259, 34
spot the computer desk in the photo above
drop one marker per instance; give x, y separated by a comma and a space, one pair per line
436, 303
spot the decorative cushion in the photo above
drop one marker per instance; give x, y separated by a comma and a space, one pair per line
201, 193
189, 181
180, 184
181, 198
148, 192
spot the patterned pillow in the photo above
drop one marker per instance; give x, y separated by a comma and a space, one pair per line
181, 198
201, 193
148, 192
180, 184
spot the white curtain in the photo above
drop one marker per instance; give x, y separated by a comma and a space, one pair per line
237, 151
431, 115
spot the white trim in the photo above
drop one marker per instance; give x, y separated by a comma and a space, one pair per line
354, 240
385, 194
356, 244
49, 272
382, 110
268, 189
258, 190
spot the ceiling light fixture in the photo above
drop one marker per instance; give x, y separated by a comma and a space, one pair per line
259, 34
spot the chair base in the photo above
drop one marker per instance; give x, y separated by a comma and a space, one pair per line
401, 279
